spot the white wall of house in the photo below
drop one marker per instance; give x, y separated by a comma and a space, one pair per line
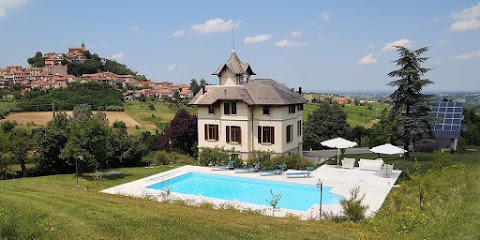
279, 118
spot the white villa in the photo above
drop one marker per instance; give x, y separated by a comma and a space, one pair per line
248, 114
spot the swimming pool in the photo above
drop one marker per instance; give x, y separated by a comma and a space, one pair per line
294, 196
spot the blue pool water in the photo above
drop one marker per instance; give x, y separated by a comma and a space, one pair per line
294, 196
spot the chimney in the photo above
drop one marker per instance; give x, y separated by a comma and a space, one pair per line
300, 90
203, 90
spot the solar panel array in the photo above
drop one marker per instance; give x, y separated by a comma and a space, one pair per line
450, 116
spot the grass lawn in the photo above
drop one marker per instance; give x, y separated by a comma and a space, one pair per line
51, 208
356, 115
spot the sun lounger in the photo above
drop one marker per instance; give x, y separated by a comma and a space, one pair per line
270, 172
220, 168
290, 173
223, 167
245, 170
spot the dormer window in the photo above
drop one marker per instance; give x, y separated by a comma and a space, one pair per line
291, 109
266, 110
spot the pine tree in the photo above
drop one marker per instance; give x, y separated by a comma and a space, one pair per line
410, 106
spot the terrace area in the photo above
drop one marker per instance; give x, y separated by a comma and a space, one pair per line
373, 184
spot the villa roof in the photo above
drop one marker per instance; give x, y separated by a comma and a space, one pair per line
255, 92
235, 65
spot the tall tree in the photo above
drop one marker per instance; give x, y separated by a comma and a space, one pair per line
326, 122
410, 105
16, 142
89, 138
194, 86
182, 133
51, 142
37, 61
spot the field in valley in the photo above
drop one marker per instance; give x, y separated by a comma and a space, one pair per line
41, 118
356, 115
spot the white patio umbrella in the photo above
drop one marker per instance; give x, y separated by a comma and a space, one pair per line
387, 148
390, 149
338, 143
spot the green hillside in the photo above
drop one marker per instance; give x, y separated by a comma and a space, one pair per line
357, 115
154, 114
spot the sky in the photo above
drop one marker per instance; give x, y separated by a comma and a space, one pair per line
322, 45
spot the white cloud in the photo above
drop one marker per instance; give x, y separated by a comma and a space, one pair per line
467, 19
368, 59
178, 33
326, 16
296, 34
465, 25
370, 46
400, 42
468, 13
118, 56
466, 56
442, 42
215, 25
135, 28
172, 67
8, 4
290, 43
257, 38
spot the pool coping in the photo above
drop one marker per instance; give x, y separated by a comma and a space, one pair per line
372, 184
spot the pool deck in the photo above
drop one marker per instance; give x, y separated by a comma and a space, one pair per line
373, 184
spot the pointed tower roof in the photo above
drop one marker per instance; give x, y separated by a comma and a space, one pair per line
235, 65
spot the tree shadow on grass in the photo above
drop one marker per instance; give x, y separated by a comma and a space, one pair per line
107, 175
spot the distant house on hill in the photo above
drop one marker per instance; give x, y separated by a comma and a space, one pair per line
248, 114
343, 100
186, 93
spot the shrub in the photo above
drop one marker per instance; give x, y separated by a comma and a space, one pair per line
337, 218
115, 108
213, 156
462, 145
274, 200
352, 208
442, 159
164, 158
119, 124
264, 158
294, 161
6, 174
151, 106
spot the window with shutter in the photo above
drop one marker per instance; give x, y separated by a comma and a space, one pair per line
234, 134
211, 132
266, 135
226, 108
228, 134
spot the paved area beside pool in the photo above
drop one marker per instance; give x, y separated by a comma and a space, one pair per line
372, 184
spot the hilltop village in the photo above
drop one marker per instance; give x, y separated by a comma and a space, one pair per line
52, 72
